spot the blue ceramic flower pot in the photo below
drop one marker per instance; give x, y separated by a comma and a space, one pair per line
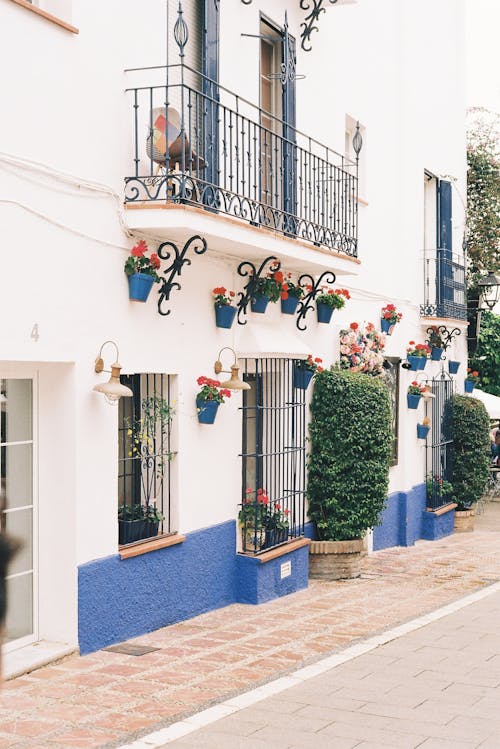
422, 431
302, 378
324, 312
139, 286
289, 306
224, 315
259, 303
453, 367
207, 411
386, 326
468, 386
436, 353
413, 400
416, 362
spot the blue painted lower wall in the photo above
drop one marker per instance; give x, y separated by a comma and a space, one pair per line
402, 519
119, 599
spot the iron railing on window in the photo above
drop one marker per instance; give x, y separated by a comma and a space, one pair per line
440, 450
273, 456
218, 154
145, 453
444, 285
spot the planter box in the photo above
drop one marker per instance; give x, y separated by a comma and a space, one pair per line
335, 560
130, 531
464, 521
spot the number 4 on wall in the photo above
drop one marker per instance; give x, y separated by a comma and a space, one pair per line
35, 335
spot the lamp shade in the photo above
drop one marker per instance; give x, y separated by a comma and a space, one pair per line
113, 389
234, 382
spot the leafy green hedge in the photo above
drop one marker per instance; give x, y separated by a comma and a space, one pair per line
351, 437
470, 433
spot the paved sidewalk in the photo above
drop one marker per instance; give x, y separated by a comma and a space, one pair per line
107, 699
435, 688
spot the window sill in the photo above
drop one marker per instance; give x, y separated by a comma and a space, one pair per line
362, 201
279, 551
47, 16
126, 552
443, 510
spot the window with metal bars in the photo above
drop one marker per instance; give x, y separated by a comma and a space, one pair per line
144, 458
273, 454
440, 451
391, 379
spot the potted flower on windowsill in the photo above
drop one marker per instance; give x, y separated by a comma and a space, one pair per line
276, 525
137, 522
329, 300
291, 294
415, 392
436, 343
209, 398
265, 289
251, 519
304, 370
471, 380
224, 311
417, 354
389, 318
141, 271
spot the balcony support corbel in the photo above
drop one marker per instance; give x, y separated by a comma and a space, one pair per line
313, 288
165, 252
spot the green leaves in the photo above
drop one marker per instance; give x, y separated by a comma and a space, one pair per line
470, 432
350, 435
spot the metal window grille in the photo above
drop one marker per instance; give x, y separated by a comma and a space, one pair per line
273, 455
444, 285
391, 379
146, 451
439, 454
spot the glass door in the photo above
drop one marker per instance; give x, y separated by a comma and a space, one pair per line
17, 506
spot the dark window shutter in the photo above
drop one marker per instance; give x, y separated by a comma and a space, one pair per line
210, 59
289, 60
445, 286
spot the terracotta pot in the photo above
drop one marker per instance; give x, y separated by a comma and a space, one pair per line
335, 560
464, 521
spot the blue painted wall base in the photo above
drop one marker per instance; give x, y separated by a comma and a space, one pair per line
402, 519
437, 526
258, 582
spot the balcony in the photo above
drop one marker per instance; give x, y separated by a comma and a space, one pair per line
444, 285
196, 144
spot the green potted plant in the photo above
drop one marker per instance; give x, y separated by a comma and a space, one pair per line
348, 473
304, 370
265, 289
209, 398
416, 354
414, 393
438, 488
251, 519
141, 271
291, 294
224, 310
471, 456
389, 317
328, 300
471, 380
137, 522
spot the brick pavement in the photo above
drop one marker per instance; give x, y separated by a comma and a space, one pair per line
106, 699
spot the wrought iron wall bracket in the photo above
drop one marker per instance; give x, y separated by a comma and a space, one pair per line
246, 268
446, 334
166, 251
313, 289
316, 8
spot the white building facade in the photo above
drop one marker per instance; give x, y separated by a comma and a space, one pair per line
261, 164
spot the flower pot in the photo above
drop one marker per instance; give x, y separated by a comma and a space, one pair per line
386, 326
415, 362
275, 536
289, 306
468, 386
139, 286
259, 303
422, 431
324, 312
131, 530
253, 539
413, 400
335, 560
302, 378
207, 411
453, 366
464, 521
436, 353
224, 315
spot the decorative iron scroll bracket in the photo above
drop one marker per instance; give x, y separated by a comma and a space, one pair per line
246, 268
313, 289
446, 334
165, 252
308, 25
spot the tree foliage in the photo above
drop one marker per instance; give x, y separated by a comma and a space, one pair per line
351, 438
471, 464
487, 356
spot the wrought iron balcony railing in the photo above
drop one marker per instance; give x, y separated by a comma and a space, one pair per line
196, 142
444, 285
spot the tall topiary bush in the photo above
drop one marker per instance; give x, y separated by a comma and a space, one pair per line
471, 461
348, 467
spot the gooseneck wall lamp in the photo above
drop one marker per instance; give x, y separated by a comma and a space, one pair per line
234, 382
112, 390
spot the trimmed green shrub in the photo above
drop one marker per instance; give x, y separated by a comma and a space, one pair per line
471, 449
348, 467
